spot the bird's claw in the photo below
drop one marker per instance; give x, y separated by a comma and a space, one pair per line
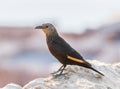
58, 75
53, 73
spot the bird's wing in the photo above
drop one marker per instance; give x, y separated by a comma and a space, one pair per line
81, 61
75, 59
63, 48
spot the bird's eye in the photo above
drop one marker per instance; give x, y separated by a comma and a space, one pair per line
46, 26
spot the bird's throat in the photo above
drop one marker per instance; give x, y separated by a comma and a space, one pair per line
51, 37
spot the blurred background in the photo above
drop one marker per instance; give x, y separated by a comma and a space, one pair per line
92, 27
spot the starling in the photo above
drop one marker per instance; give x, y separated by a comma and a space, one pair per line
61, 50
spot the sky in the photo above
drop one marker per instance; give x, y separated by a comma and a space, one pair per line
66, 14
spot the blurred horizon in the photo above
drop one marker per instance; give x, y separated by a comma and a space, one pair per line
75, 14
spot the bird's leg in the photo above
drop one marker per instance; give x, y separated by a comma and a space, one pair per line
58, 70
62, 69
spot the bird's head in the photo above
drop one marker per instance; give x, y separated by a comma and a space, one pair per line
47, 28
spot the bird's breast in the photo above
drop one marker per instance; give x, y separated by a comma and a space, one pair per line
57, 52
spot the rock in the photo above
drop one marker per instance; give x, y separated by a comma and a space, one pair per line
77, 77
12, 86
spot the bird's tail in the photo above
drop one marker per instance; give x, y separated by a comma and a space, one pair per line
83, 63
97, 71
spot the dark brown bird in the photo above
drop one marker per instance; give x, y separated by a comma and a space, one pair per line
62, 50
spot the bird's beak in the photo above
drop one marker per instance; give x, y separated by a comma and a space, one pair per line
38, 27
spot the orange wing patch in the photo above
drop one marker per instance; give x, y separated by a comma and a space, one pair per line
75, 59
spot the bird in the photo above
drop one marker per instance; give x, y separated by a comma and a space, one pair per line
61, 50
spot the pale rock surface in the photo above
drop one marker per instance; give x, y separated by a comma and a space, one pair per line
76, 77
81, 78
12, 86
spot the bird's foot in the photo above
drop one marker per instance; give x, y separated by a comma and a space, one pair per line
59, 75
54, 72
